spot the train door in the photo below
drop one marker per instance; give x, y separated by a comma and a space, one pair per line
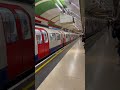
64, 38
27, 40
61, 35
13, 44
40, 44
61, 38
46, 42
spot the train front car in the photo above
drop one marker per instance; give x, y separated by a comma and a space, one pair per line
17, 43
42, 43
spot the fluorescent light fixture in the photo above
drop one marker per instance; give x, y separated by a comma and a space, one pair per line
60, 3
58, 7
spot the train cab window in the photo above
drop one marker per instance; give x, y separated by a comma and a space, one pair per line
24, 24
38, 36
9, 25
45, 36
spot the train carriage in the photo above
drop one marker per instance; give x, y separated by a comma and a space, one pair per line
42, 42
17, 42
54, 40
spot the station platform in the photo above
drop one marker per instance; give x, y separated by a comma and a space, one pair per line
63, 70
102, 71
68, 74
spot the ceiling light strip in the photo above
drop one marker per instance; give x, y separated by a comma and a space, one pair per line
58, 7
59, 2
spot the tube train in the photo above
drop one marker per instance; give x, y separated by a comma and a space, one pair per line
47, 41
16, 43
17, 55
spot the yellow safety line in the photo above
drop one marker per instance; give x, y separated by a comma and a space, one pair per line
29, 85
56, 54
32, 83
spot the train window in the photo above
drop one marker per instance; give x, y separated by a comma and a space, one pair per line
39, 39
58, 36
38, 36
9, 25
52, 36
45, 36
24, 24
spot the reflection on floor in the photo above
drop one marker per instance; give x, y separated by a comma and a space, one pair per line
69, 74
102, 72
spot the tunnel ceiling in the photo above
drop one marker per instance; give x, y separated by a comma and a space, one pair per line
48, 10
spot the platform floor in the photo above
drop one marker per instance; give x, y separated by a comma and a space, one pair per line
102, 71
69, 73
